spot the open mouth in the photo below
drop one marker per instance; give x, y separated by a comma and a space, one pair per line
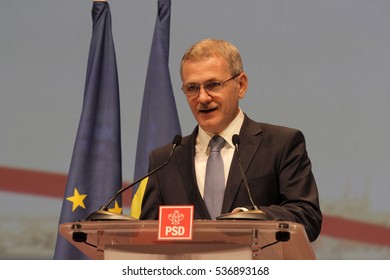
208, 110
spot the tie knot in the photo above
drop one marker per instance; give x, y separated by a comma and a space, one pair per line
216, 143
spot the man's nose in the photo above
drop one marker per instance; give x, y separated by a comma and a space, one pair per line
203, 96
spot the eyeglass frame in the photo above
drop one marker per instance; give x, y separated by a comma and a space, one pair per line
204, 85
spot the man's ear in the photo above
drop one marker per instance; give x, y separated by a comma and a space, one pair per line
242, 85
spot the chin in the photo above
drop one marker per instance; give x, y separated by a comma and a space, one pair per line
211, 125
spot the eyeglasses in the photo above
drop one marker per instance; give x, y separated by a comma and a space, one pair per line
209, 87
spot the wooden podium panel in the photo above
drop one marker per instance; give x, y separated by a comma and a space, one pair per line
211, 240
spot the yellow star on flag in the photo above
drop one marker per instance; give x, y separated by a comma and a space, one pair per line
77, 199
116, 209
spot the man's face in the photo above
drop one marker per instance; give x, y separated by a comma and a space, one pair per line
214, 111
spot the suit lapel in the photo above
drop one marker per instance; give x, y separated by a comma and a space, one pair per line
250, 139
185, 158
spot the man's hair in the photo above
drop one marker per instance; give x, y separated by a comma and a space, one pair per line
213, 47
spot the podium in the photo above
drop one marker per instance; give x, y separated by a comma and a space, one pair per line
212, 240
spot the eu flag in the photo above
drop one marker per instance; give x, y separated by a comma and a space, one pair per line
159, 121
95, 173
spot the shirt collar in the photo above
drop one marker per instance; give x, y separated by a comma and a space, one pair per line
234, 127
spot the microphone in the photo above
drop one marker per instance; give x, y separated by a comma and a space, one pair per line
242, 213
103, 213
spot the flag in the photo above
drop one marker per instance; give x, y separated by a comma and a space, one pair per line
95, 173
159, 121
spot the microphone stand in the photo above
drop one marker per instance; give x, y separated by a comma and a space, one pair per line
242, 213
104, 215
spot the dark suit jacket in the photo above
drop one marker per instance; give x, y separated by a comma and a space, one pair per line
277, 167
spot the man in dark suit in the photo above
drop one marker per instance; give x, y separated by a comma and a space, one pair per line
274, 158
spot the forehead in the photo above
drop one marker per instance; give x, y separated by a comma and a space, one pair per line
200, 70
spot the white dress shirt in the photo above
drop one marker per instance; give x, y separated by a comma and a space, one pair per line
227, 152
